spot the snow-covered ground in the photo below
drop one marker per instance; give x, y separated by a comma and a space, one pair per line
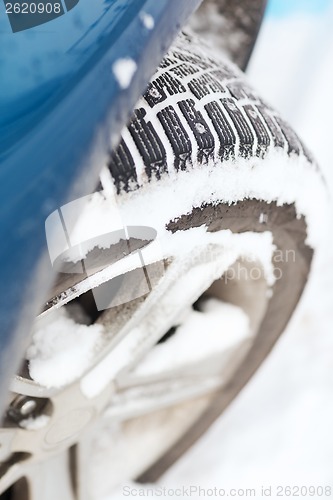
278, 432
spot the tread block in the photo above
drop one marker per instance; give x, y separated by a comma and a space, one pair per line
178, 137
200, 129
122, 167
149, 144
183, 70
278, 137
260, 130
166, 62
157, 90
243, 130
205, 85
223, 129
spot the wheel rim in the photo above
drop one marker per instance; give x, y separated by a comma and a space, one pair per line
67, 417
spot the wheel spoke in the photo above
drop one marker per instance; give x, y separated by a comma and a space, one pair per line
28, 387
12, 470
149, 398
174, 304
139, 395
162, 309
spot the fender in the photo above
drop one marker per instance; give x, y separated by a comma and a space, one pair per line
60, 102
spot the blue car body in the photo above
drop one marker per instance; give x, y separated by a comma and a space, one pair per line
60, 103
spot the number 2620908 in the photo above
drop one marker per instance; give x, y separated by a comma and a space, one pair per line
33, 8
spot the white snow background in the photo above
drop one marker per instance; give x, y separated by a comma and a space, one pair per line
279, 430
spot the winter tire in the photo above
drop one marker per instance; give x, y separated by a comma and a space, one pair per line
223, 184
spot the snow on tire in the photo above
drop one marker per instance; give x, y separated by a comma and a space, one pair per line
203, 158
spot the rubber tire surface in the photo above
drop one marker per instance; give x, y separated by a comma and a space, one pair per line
191, 101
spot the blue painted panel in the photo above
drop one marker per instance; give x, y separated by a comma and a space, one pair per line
59, 105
